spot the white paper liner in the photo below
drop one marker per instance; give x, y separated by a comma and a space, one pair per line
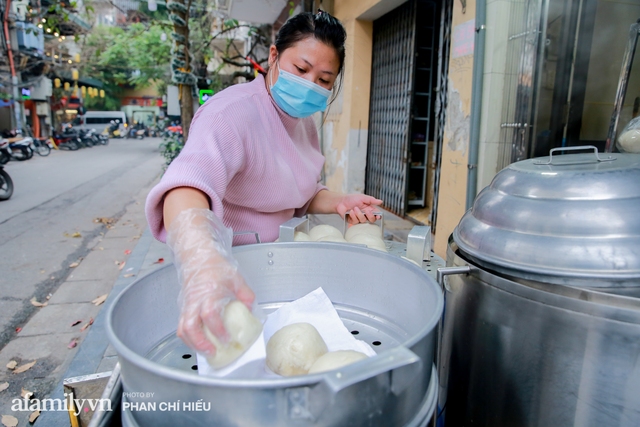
314, 308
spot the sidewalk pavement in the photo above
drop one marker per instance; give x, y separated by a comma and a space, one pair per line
47, 336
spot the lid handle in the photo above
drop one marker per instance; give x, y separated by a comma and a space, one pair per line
289, 228
376, 213
242, 233
597, 159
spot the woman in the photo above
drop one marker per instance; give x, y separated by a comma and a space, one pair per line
252, 162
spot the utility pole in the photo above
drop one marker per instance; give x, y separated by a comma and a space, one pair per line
17, 111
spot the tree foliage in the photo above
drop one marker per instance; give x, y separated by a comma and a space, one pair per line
140, 53
127, 57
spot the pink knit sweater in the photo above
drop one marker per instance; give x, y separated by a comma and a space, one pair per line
259, 166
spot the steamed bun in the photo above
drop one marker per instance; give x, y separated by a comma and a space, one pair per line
364, 227
332, 238
320, 231
299, 236
336, 359
243, 329
294, 348
370, 241
629, 141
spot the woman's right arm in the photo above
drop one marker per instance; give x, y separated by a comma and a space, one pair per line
201, 247
180, 199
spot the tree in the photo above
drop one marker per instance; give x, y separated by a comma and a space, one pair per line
135, 56
193, 21
139, 54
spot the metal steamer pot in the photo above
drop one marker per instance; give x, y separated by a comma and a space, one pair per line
542, 322
387, 301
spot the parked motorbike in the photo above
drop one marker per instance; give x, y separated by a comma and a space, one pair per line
41, 146
80, 135
113, 130
136, 132
104, 139
174, 129
88, 137
5, 152
65, 141
19, 145
6, 184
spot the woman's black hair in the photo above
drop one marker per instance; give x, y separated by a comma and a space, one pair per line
322, 26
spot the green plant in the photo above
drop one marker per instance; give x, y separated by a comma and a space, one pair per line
170, 148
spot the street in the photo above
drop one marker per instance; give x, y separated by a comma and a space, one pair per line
48, 223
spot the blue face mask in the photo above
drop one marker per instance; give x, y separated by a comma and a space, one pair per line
298, 97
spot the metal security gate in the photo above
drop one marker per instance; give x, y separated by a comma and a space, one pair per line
527, 23
390, 108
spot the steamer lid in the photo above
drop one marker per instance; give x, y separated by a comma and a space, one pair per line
570, 219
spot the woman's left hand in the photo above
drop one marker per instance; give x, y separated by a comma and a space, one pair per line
361, 207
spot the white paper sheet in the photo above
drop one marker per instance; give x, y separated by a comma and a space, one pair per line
314, 308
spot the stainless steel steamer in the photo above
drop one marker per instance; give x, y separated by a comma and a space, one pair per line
387, 301
541, 327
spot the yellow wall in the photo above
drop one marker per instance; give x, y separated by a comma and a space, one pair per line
349, 9
346, 124
453, 173
147, 91
347, 121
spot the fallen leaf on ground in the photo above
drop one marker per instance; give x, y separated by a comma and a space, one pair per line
24, 368
86, 325
34, 416
76, 235
49, 297
100, 299
9, 421
4, 386
127, 252
129, 275
74, 264
12, 364
72, 343
77, 322
121, 265
104, 220
38, 304
26, 394
18, 329
159, 261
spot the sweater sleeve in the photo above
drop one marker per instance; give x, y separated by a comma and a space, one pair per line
302, 211
211, 157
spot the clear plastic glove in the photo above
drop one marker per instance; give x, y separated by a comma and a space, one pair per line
209, 321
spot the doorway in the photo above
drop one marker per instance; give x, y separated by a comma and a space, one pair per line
402, 141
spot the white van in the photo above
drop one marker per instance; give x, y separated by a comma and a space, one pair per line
99, 120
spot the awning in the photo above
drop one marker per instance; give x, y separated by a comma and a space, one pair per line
255, 11
65, 76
